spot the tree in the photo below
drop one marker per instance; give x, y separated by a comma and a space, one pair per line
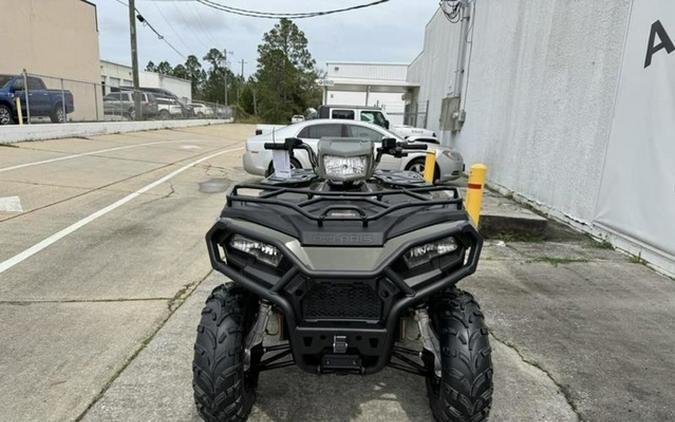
195, 74
286, 75
151, 67
164, 68
180, 72
214, 84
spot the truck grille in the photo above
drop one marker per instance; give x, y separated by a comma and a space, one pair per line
341, 300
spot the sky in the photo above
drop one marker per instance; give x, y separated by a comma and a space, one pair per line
390, 32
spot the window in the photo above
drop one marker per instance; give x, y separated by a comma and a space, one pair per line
115, 96
18, 85
354, 131
374, 117
342, 114
35, 84
321, 131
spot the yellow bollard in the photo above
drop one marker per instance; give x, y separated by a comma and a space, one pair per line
430, 166
18, 110
474, 191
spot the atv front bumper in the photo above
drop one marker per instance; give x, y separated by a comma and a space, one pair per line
342, 305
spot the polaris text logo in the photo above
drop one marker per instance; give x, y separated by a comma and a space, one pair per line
341, 238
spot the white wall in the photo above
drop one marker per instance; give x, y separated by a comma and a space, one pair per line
182, 88
540, 94
376, 71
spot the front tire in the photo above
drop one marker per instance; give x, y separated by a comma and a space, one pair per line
223, 391
464, 390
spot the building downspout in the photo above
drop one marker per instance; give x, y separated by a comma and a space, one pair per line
458, 86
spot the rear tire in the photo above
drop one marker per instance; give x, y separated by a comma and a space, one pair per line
57, 115
223, 391
6, 117
464, 390
164, 115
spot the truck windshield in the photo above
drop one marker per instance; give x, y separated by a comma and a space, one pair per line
4, 79
374, 117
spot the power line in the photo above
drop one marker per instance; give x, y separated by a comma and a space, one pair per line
277, 15
145, 22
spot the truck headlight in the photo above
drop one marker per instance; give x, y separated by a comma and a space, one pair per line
345, 167
423, 254
261, 251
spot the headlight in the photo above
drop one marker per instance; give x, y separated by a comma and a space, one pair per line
453, 155
261, 251
422, 254
345, 167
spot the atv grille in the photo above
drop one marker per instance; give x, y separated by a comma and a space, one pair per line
341, 300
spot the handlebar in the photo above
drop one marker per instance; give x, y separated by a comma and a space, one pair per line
408, 146
272, 146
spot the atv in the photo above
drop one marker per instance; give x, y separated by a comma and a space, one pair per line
343, 269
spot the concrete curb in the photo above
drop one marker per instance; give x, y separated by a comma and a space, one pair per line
43, 132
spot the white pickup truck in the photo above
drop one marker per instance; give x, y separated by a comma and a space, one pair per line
371, 115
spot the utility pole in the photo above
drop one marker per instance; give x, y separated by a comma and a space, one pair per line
225, 52
241, 82
134, 60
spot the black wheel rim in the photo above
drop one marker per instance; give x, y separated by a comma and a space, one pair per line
4, 116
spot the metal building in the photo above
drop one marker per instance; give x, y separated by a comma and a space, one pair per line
369, 84
570, 105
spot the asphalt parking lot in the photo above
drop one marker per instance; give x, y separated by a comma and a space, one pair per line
103, 273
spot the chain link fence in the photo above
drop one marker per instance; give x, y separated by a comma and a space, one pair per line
47, 99
416, 114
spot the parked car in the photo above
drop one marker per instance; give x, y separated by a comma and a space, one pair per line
42, 102
122, 104
169, 108
374, 115
258, 161
202, 110
297, 118
186, 109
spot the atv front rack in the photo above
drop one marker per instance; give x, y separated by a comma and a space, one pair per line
270, 195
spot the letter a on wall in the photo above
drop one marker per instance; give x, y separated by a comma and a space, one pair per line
637, 194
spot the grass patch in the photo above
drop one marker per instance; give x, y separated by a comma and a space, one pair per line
250, 120
637, 259
555, 260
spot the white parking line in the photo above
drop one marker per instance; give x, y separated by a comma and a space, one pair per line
84, 154
16, 259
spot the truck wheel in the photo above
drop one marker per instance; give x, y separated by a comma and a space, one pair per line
5, 115
57, 115
417, 165
223, 390
164, 115
463, 392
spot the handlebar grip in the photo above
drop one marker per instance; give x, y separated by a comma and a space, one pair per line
414, 147
273, 146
